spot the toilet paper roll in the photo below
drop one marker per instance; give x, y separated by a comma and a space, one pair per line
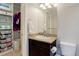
54, 49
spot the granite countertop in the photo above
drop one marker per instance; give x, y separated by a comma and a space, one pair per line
42, 38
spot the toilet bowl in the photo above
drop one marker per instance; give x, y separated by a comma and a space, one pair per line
68, 49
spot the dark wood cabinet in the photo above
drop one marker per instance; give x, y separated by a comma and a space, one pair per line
38, 48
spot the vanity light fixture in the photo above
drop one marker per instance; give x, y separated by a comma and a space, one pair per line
48, 5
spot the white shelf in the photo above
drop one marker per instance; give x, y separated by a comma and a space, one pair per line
3, 53
5, 29
6, 13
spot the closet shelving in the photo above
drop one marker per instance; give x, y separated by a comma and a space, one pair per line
6, 29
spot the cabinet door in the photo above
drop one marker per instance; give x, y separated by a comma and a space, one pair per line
39, 51
37, 48
35, 51
45, 51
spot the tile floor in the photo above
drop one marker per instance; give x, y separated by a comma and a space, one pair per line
14, 53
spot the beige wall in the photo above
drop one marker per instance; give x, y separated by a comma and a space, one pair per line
16, 7
68, 21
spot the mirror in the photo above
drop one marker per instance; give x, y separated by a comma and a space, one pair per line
41, 20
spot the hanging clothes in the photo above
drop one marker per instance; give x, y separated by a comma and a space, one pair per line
16, 21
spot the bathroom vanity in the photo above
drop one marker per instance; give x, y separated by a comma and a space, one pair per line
41, 23
40, 45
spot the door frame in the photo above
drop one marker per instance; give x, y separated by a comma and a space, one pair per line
24, 31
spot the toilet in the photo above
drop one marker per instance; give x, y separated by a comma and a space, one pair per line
67, 49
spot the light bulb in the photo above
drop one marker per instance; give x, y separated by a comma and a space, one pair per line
49, 6
55, 5
41, 5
